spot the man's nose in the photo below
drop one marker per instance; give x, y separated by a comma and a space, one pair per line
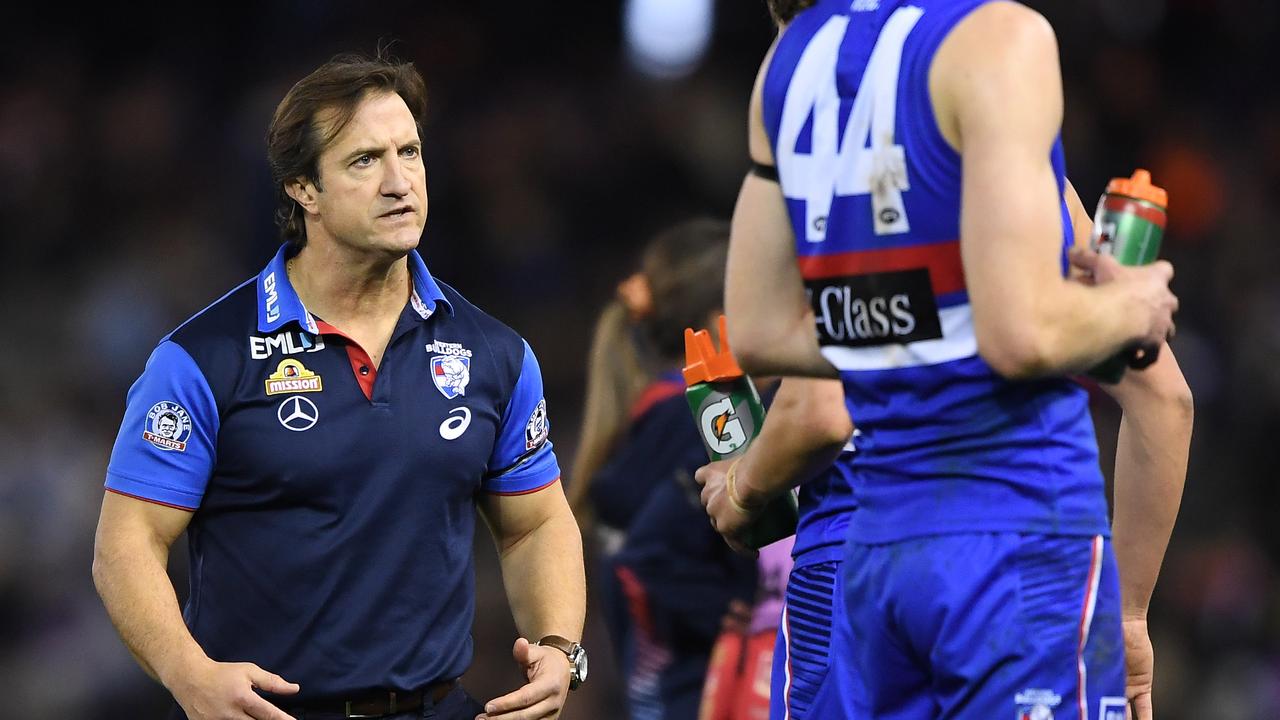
395, 180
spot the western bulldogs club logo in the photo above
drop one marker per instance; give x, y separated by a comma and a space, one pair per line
535, 431
168, 426
450, 367
451, 374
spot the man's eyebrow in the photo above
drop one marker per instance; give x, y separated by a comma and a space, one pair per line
374, 151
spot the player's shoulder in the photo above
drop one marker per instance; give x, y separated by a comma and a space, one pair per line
999, 53
1003, 29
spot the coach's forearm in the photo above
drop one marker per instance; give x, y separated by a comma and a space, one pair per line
545, 581
139, 597
1151, 467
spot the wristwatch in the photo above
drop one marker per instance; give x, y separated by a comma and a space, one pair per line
577, 658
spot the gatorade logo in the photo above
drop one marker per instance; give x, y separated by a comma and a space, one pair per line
721, 427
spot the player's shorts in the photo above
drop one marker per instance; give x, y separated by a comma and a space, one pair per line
807, 664
984, 625
737, 686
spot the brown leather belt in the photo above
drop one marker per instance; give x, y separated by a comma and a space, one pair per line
378, 703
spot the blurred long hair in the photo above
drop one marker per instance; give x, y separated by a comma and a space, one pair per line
640, 333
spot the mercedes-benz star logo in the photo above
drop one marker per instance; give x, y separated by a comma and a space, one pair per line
297, 413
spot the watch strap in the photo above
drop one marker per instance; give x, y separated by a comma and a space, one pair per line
562, 644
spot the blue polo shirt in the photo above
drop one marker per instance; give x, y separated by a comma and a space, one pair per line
334, 502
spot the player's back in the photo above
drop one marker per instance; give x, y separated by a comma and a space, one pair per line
873, 192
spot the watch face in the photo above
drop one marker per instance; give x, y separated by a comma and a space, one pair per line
580, 664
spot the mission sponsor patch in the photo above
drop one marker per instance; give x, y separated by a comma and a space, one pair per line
291, 376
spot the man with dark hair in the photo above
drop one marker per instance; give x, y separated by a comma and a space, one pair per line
341, 417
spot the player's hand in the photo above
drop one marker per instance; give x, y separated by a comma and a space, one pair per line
1139, 660
547, 670
1151, 297
728, 516
212, 690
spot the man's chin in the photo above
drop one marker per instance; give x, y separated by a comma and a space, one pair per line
401, 242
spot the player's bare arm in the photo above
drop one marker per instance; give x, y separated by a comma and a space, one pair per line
1151, 467
540, 550
1000, 105
806, 428
131, 552
770, 321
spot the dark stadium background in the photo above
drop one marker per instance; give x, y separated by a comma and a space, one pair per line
134, 190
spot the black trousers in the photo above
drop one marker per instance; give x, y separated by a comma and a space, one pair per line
457, 705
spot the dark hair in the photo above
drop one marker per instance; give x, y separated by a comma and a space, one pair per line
783, 11
296, 139
685, 268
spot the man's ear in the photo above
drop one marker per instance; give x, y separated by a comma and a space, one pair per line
303, 191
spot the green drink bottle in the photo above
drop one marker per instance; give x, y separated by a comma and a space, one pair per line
1129, 226
729, 415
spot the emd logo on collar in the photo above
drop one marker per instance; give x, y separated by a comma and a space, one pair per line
292, 376
168, 426
450, 370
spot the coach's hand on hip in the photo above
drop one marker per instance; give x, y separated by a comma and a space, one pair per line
219, 691
547, 670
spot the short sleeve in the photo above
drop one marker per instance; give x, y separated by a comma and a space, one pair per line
522, 460
164, 452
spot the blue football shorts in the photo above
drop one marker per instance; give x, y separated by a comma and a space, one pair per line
983, 626
807, 664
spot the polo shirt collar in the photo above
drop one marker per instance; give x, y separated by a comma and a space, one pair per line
279, 304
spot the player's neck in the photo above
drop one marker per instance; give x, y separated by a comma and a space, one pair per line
349, 290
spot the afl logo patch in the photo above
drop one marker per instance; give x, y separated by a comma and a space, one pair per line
168, 426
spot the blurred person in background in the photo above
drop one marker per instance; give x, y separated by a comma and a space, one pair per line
665, 577
807, 430
323, 434
979, 578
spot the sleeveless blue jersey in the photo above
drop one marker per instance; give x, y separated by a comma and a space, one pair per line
827, 504
873, 193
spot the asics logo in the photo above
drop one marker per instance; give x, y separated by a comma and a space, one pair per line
456, 424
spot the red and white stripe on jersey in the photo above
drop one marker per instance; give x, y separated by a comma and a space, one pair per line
946, 276
941, 259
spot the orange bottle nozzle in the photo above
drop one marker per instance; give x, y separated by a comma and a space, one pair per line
703, 363
1139, 187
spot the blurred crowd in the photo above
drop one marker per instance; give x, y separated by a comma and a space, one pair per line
134, 191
